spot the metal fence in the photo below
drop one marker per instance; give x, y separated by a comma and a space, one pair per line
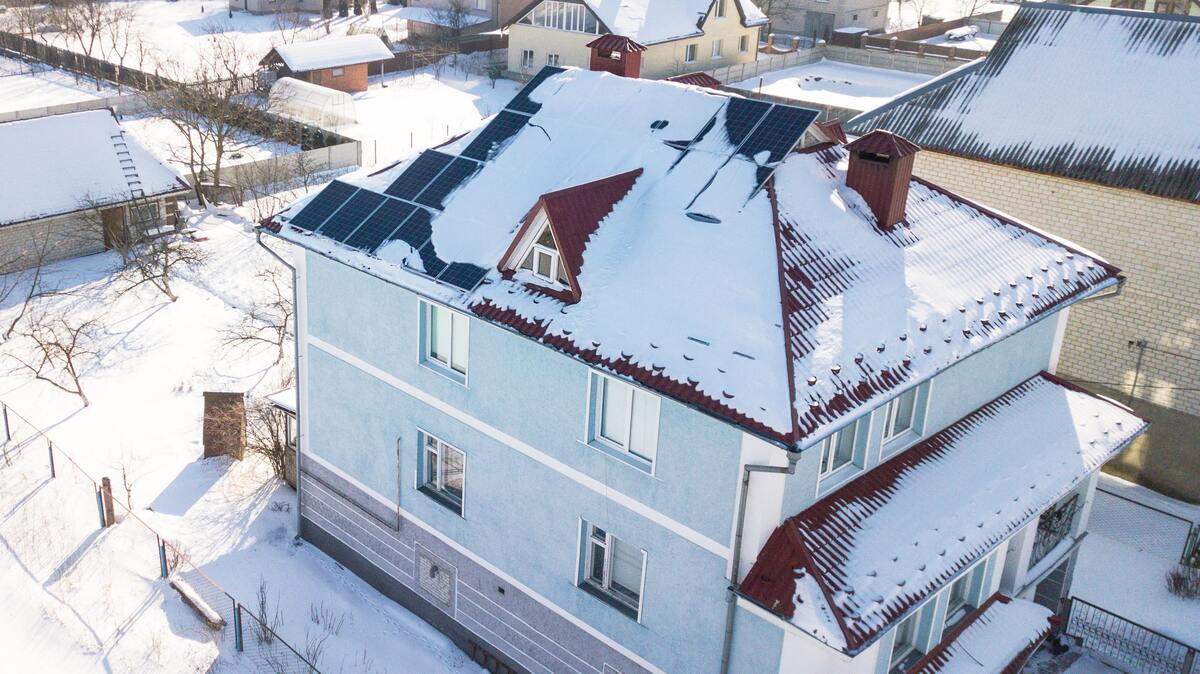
1133, 647
1149, 529
60, 514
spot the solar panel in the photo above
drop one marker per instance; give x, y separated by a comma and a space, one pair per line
463, 275
383, 221
352, 214
323, 205
493, 137
741, 115
418, 174
778, 133
447, 181
433, 264
521, 102
416, 230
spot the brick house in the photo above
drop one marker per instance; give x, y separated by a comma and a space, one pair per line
335, 62
84, 186
1083, 120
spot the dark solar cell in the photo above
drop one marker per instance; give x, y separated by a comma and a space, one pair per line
521, 102
352, 214
418, 174
778, 133
383, 222
463, 275
323, 205
741, 114
433, 264
492, 139
416, 230
455, 174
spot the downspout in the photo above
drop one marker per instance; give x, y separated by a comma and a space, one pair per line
295, 355
793, 457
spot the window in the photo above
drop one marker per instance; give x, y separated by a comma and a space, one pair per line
839, 449
744, 43
964, 595
572, 16
854, 18
442, 472
720, 9
526, 58
1053, 526
613, 570
904, 413
716, 48
689, 53
144, 220
552, 59
905, 649
446, 338
625, 418
543, 259
337, 72
291, 432
481, 5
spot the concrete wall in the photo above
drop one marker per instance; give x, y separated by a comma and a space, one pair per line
869, 14
1153, 240
273, 6
124, 104
282, 168
770, 62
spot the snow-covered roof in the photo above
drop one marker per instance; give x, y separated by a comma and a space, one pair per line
858, 561
330, 52
436, 17
65, 163
686, 280
1072, 91
285, 399
1002, 632
652, 21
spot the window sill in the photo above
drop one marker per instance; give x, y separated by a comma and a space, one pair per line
644, 465
452, 375
901, 442
837, 478
629, 611
442, 500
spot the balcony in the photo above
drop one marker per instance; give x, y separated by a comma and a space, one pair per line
1053, 526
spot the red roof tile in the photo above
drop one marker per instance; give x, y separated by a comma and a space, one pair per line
884, 142
698, 79
612, 42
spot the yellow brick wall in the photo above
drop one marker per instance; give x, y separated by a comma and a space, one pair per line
1155, 242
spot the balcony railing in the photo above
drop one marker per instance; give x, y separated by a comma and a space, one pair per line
1053, 526
1135, 648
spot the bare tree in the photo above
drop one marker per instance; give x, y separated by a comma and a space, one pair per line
266, 434
60, 346
120, 36
266, 323
451, 19
268, 186
85, 23
289, 23
23, 272
158, 261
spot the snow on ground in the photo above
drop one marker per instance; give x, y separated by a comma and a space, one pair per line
88, 600
903, 15
980, 41
24, 86
170, 144
843, 85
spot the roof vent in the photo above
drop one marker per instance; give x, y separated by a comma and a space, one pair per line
704, 217
659, 124
880, 171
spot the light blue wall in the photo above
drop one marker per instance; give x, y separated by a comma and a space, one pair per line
518, 514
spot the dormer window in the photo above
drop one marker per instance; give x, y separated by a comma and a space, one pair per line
543, 260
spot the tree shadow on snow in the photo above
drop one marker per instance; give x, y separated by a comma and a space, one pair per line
189, 486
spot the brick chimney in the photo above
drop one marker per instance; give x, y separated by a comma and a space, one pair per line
617, 55
880, 170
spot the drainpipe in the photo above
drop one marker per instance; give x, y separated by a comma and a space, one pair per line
793, 457
296, 356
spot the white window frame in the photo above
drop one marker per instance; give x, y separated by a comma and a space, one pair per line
542, 251
553, 59
975, 594
829, 446
596, 387
689, 53
337, 72
481, 5
920, 645
892, 440
436, 487
427, 358
720, 11
603, 586
717, 47
527, 58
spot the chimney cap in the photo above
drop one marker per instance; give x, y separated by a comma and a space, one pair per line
884, 142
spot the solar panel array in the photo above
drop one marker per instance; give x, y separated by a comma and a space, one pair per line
366, 220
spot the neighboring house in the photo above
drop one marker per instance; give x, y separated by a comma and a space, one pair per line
818, 19
1083, 120
1177, 7
334, 62
278, 6
673, 36
562, 379
76, 184
468, 16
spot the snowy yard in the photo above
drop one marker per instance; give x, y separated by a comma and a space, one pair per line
24, 86
170, 144
88, 599
842, 85
903, 15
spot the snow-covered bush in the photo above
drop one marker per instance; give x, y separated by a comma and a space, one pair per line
1184, 581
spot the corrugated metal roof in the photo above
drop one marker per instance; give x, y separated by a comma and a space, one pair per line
1101, 95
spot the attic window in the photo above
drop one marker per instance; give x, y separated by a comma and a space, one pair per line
543, 260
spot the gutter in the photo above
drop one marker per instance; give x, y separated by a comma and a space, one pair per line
296, 355
793, 456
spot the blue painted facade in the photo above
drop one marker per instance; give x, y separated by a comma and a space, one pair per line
522, 513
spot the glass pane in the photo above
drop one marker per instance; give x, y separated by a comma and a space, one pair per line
599, 534
460, 343
844, 451
528, 262
452, 472
826, 455
905, 635
545, 264
596, 569
614, 411
905, 405
643, 434
439, 334
431, 464
627, 570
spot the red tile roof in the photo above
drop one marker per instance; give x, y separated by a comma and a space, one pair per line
884, 142
612, 42
988, 623
832, 130
698, 79
858, 566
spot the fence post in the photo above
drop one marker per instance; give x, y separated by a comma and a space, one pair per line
7, 432
1189, 661
162, 557
100, 507
237, 627
107, 513
50, 449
